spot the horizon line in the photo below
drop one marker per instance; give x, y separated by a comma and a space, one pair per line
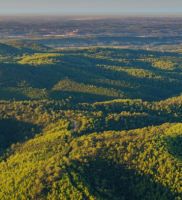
97, 13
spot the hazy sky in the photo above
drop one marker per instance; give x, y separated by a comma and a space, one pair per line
89, 6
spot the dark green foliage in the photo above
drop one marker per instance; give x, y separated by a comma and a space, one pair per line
90, 75
58, 142
6, 50
27, 45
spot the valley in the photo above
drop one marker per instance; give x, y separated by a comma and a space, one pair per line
92, 123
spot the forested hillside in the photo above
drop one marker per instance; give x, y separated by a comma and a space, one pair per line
89, 75
97, 123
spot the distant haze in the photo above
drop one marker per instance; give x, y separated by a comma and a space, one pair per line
89, 6
70, 17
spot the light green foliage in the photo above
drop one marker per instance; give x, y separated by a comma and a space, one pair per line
89, 75
83, 124
68, 85
39, 59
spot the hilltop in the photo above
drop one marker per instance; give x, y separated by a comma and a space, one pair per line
96, 123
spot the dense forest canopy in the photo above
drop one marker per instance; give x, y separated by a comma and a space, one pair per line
87, 75
90, 123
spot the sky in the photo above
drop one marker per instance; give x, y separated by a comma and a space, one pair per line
89, 6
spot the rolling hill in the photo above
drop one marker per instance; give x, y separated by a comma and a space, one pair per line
97, 123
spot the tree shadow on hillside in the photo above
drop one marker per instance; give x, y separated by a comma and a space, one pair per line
144, 92
48, 76
7, 94
79, 97
86, 97
174, 146
155, 83
45, 76
107, 179
13, 131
